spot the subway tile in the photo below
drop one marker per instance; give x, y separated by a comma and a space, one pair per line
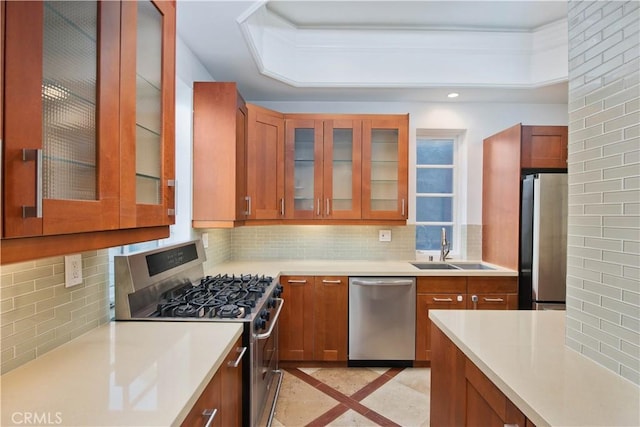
632, 323
601, 358
5, 331
620, 98
6, 280
586, 253
632, 157
603, 290
18, 337
18, 267
49, 281
7, 354
583, 295
630, 374
33, 274
584, 339
604, 46
586, 111
620, 282
17, 314
602, 141
631, 272
630, 196
52, 324
580, 199
602, 312
621, 233
17, 290
585, 221
33, 297
584, 231
617, 355
583, 273
31, 344
49, 261
603, 267
628, 348
56, 301
586, 133
17, 361
632, 106
584, 317
620, 147
574, 345
632, 298
602, 209
620, 307
605, 163
601, 336
624, 221
581, 156
604, 92
621, 122
631, 247
606, 244
33, 321
585, 177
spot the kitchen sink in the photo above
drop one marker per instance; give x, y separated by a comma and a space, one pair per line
451, 266
434, 266
472, 266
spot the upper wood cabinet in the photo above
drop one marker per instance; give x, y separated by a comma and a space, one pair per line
544, 147
265, 164
79, 155
506, 155
385, 168
147, 113
219, 150
322, 167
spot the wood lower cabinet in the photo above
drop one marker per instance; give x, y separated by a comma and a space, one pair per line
331, 318
462, 395
492, 293
435, 293
459, 293
223, 395
295, 328
314, 319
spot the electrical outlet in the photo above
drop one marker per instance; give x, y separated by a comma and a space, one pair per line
72, 270
205, 240
384, 235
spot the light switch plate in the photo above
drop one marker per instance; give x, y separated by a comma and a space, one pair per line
384, 235
205, 240
72, 270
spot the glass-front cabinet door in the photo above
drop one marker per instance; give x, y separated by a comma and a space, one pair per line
60, 117
303, 168
385, 168
342, 169
148, 123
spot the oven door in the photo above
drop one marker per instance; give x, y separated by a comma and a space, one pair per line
266, 376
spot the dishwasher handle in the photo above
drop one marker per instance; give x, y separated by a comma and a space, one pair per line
399, 282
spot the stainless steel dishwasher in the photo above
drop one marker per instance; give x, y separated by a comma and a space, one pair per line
382, 321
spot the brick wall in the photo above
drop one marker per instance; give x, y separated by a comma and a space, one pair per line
603, 274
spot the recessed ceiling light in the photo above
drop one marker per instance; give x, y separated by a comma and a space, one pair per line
453, 95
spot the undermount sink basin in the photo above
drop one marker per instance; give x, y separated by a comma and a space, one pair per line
434, 266
472, 266
451, 266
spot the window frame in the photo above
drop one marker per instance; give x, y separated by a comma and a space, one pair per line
455, 136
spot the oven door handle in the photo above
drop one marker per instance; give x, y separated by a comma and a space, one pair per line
274, 322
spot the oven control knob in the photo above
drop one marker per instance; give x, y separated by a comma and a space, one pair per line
265, 315
278, 291
260, 324
271, 303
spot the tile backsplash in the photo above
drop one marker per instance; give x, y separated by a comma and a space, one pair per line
603, 272
38, 313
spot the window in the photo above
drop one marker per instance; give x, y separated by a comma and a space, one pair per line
435, 192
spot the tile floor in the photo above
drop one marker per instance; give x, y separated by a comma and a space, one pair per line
353, 397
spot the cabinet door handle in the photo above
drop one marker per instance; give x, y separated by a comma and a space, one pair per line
493, 299
211, 413
248, 199
402, 207
318, 209
332, 282
328, 208
297, 282
282, 207
443, 299
34, 155
236, 362
173, 183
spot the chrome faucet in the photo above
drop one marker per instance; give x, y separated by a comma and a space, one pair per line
444, 245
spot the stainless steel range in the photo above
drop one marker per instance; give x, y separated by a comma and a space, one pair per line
168, 284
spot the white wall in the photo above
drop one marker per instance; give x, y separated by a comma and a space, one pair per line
188, 69
478, 120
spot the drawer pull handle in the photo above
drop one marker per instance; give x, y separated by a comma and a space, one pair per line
236, 362
296, 282
493, 299
335, 282
443, 299
211, 413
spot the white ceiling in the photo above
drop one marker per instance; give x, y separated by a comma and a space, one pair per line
212, 31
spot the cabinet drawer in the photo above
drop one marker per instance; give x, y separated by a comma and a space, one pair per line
453, 285
210, 400
492, 301
487, 285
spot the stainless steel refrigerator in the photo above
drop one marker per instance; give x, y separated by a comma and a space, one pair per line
543, 241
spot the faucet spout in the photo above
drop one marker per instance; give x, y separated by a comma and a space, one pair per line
444, 245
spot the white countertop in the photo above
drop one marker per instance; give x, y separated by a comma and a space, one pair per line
120, 374
349, 268
523, 353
